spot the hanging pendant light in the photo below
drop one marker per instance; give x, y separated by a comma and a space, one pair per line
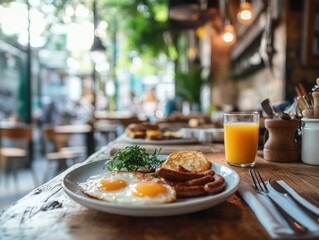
245, 14
229, 35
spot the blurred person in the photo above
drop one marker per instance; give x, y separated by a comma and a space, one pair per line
150, 104
150, 95
84, 110
51, 115
136, 103
67, 113
171, 106
102, 103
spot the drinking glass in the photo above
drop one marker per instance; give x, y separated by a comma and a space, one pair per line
241, 138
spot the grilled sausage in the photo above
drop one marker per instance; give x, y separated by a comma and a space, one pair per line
190, 191
216, 186
194, 182
212, 187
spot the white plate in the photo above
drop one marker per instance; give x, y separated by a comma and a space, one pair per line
164, 141
204, 135
181, 206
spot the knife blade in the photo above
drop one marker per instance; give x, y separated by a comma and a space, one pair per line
278, 188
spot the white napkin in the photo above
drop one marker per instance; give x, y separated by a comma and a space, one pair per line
272, 221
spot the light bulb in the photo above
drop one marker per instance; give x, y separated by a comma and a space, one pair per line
228, 35
245, 14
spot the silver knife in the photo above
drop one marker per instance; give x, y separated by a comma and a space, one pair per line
277, 187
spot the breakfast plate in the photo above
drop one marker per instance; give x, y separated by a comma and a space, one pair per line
181, 206
160, 141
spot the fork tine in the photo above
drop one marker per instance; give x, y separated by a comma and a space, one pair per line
253, 177
261, 182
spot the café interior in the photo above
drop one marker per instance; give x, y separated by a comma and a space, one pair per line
75, 74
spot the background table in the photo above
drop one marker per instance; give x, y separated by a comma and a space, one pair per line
86, 129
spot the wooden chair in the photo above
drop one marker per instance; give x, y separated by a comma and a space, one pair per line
72, 134
14, 149
56, 150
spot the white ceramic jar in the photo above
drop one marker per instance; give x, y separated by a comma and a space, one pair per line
310, 141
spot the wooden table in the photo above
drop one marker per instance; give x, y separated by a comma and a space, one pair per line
86, 129
47, 213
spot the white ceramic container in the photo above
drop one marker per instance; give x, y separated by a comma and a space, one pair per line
310, 141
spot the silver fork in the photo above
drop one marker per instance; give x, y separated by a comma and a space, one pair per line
261, 188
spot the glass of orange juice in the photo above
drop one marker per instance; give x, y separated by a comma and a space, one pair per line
241, 138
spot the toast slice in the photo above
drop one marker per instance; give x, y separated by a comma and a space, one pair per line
193, 161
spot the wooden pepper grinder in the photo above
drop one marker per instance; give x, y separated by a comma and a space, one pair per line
281, 145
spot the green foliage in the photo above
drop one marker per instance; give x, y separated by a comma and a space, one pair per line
146, 36
143, 23
134, 158
189, 84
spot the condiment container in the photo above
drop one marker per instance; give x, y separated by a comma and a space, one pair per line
282, 145
310, 141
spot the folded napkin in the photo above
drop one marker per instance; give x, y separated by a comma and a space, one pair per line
272, 221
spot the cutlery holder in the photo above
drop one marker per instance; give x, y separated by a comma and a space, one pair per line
282, 145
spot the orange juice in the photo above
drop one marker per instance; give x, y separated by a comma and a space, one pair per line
241, 142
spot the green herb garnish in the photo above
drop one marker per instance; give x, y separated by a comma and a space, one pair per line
134, 158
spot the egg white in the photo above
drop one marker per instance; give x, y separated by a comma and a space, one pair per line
124, 195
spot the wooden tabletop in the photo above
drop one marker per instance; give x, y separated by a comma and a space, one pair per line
73, 129
85, 129
124, 118
48, 213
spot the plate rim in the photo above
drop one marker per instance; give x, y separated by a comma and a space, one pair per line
179, 206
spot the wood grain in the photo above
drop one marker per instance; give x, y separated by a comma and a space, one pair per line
47, 213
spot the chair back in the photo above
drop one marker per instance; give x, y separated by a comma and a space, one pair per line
16, 136
18, 132
57, 139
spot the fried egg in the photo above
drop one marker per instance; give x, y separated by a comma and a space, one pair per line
133, 188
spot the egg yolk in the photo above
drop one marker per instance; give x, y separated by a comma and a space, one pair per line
148, 189
109, 184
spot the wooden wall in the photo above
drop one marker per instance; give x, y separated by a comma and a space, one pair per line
247, 90
300, 26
